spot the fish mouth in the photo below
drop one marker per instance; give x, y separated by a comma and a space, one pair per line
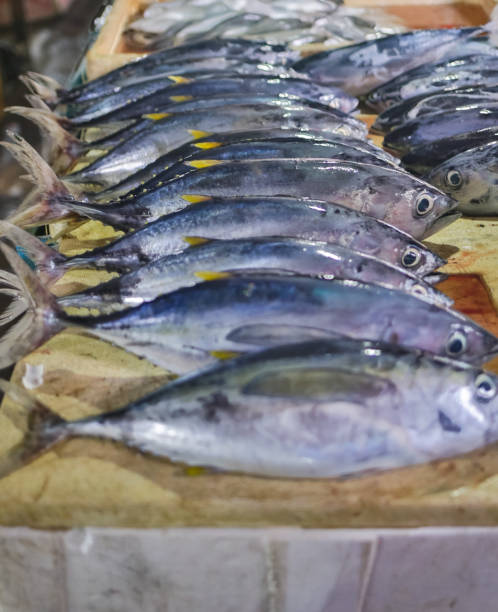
442, 222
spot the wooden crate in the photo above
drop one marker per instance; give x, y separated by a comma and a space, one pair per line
90, 482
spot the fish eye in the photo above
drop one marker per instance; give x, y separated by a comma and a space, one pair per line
457, 343
485, 386
454, 179
411, 257
424, 204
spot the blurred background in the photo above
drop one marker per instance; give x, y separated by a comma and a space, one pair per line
47, 36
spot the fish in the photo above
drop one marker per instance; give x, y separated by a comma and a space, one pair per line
447, 99
318, 409
240, 218
351, 148
164, 62
189, 327
128, 152
429, 128
361, 67
388, 194
431, 78
158, 96
422, 159
215, 259
237, 151
471, 178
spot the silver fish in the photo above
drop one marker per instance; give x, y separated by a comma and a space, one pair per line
236, 219
313, 410
220, 258
189, 327
471, 178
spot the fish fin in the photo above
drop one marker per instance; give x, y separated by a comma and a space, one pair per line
63, 147
208, 275
49, 263
204, 163
37, 102
112, 217
156, 116
47, 88
179, 79
195, 199
195, 240
207, 144
181, 98
11, 287
196, 134
41, 428
273, 335
50, 188
325, 383
41, 319
225, 355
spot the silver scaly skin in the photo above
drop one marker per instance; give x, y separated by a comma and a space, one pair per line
220, 257
180, 330
156, 137
386, 193
321, 409
237, 218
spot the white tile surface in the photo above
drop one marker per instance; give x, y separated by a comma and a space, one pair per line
249, 570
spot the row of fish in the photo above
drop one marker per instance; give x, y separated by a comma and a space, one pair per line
443, 119
168, 24
258, 221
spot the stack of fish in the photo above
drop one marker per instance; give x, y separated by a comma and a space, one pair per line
166, 24
263, 229
442, 118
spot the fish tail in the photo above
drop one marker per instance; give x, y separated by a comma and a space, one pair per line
11, 287
49, 188
41, 318
108, 217
49, 263
47, 88
63, 148
41, 428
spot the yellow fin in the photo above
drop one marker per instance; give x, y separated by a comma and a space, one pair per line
196, 134
203, 163
194, 470
223, 355
207, 275
179, 79
181, 98
194, 199
208, 144
156, 116
195, 240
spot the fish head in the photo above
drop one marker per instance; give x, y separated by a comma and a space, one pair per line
465, 403
469, 342
416, 205
418, 259
469, 178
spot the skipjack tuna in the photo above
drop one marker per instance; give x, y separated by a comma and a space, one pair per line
192, 326
389, 194
216, 259
223, 218
471, 177
127, 150
158, 63
320, 409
